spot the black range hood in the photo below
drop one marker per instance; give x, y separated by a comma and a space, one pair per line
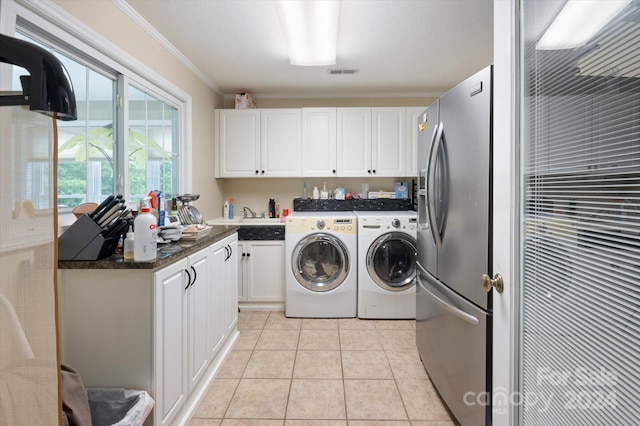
48, 89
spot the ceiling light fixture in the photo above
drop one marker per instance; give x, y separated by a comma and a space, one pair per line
311, 30
578, 22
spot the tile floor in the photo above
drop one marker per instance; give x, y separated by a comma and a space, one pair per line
286, 371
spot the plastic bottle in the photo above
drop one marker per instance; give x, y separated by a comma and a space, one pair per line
231, 200
324, 194
272, 208
316, 193
225, 210
128, 245
145, 246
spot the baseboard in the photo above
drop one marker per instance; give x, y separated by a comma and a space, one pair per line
251, 306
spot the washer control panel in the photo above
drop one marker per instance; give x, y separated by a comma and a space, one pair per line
331, 225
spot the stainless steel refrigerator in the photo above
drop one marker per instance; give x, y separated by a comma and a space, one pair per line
453, 313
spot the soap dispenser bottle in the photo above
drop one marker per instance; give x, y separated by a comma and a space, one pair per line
225, 210
324, 194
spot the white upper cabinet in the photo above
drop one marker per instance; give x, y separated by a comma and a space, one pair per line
280, 142
388, 145
253, 143
238, 142
319, 142
411, 165
354, 142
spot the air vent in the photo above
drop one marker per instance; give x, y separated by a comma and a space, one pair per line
343, 71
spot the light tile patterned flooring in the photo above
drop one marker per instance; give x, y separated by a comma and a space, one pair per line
293, 371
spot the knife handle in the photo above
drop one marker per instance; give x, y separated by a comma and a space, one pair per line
102, 205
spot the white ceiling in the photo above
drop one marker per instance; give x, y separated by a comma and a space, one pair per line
400, 47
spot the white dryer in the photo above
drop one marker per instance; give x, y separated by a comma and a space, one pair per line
321, 265
387, 264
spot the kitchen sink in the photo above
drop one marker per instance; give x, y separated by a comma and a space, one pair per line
245, 221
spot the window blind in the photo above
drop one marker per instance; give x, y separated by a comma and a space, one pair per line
580, 224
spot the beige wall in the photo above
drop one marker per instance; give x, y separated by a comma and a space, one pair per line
109, 21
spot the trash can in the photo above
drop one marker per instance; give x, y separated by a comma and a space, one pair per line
119, 407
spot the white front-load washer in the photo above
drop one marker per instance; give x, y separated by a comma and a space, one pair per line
387, 264
321, 265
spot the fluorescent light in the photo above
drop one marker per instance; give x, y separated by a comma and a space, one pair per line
311, 30
578, 22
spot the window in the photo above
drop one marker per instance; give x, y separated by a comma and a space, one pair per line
153, 149
89, 164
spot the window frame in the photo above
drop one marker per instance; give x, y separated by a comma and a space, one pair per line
62, 30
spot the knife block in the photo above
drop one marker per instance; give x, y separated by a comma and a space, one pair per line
82, 241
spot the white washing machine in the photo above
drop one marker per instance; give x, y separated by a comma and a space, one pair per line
321, 265
387, 264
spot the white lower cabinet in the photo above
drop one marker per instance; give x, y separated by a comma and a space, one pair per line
165, 331
224, 298
261, 278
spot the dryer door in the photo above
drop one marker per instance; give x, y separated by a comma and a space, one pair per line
391, 261
320, 262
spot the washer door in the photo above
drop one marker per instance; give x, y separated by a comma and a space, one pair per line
320, 262
391, 261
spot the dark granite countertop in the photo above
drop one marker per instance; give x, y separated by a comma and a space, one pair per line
167, 253
380, 204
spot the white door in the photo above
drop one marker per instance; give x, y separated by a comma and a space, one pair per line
505, 202
219, 294
319, 148
170, 305
231, 282
281, 142
388, 141
354, 142
565, 328
239, 142
266, 271
198, 277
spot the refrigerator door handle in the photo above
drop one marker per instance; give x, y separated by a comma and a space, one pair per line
431, 176
455, 311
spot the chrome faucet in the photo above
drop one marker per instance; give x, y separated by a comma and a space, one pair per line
247, 209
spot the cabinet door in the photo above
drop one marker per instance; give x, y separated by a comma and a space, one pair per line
354, 142
217, 297
388, 141
411, 145
266, 271
319, 142
281, 142
241, 261
198, 277
239, 143
170, 340
232, 283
